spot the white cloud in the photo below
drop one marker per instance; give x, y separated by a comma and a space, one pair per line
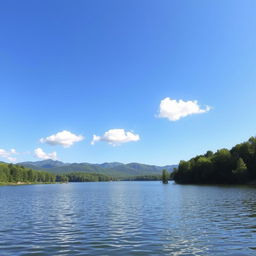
176, 109
116, 137
39, 153
9, 155
64, 138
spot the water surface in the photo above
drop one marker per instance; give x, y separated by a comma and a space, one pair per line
127, 218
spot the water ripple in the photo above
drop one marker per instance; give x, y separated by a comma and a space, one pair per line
127, 218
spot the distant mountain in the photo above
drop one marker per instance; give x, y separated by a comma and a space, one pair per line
110, 165
45, 164
114, 169
146, 167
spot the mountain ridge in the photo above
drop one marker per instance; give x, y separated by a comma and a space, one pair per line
115, 169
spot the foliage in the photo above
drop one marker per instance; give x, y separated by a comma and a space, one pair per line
240, 172
237, 165
82, 177
145, 178
10, 173
165, 176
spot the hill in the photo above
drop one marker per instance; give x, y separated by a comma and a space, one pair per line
113, 169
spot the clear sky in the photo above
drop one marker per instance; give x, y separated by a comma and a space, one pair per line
90, 67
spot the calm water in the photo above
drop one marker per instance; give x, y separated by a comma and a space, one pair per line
127, 218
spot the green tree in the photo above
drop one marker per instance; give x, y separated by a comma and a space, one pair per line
223, 165
240, 172
203, 170
237, 165
165, 176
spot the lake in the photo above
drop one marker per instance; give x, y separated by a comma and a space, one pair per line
127, 218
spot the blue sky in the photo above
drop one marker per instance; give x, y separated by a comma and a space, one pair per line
88, 67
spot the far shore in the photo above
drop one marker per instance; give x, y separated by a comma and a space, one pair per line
26, 183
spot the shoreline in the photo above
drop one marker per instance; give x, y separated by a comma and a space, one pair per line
26, 183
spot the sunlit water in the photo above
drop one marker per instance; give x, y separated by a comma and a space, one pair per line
127, 218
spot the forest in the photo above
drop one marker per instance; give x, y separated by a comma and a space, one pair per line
14, 174
82, 177
143, 178
235, 166
10, 173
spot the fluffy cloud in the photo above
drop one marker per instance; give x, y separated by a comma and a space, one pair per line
116, 137
176, 109
64, 138
39, 153
9, 155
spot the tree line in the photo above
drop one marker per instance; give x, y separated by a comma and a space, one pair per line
143, 178
10, 173
235, 166
82, 177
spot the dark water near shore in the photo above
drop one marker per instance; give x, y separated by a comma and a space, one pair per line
127, 218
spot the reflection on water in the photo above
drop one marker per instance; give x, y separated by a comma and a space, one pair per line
127, 218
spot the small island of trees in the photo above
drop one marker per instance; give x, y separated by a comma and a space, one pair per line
165, 176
